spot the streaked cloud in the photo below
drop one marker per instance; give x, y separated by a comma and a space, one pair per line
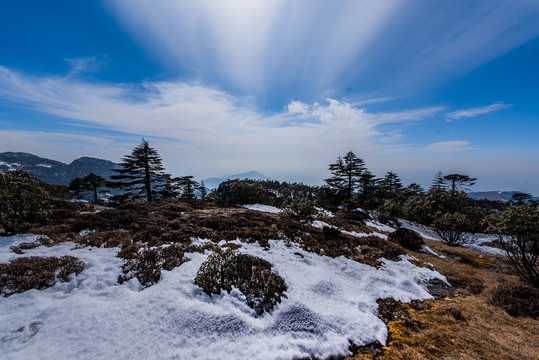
473, 112
446, 147
314, 48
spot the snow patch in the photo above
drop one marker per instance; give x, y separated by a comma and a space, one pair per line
263, 208
379, 226
329, 302
10, 166
428, 250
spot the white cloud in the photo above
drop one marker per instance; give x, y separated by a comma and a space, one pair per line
473, 112
254, 45
297, 107
261, 47
199, 127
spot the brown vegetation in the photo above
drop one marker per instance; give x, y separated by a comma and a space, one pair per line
251, 275
36, 273
468, 326
147, 263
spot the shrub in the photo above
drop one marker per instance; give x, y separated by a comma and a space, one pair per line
517, 299
407, 238
23, 202
451, 227
36, 273
331, 233
249, 274
147, 263
300, 209
518, 232
242, 192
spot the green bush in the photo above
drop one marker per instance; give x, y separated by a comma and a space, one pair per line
23, 202
517, 229
249, 274
451, 227
450, 213
300, 209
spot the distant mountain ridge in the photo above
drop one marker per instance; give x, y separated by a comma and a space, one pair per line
56, 172
213, 182
503, 196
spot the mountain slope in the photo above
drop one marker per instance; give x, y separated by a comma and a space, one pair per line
52, 171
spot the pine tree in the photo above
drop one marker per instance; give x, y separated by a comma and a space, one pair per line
76, 185
203, 190
438, 183
90, 182
390, 183
347, 173
141, 172
414, 189
367, 183
521, 197
187, 186
459, 182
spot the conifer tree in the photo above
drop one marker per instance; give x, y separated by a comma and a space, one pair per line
347, 173
459, 182
438, 183
202, 189
188, 186
90, 182
367, 183
141, 172
390, 183
521, 197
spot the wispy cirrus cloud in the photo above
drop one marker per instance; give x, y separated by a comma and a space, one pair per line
473, 112
89, 64
317, 47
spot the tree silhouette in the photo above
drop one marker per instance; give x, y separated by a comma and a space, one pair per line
141, 172
347, 174
90, 182
459, 182
521, 197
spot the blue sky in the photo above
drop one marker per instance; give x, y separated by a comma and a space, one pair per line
281, 87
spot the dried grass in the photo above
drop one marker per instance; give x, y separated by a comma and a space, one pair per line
466, 327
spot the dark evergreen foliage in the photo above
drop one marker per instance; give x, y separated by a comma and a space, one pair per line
23, 202
520, 197
518, 232
390, 185
90, 182
141, 173
202, 189
439, 182
187, 187
459, 182
347, 174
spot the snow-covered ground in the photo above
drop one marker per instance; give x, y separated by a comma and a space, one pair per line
474, 240
330, 301
263, 208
